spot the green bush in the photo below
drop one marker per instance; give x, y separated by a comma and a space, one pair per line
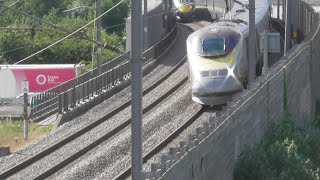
286, 153
317, 121
18, 44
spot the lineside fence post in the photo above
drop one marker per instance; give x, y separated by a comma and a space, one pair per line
25, 115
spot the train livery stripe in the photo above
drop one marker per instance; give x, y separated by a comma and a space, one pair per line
185, 8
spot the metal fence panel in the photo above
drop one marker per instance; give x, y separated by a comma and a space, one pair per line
69, 94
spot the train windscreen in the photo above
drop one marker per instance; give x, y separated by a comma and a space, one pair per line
213, 46
186, 1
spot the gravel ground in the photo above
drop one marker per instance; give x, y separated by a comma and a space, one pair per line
114, 156
182, 137
167, 63
96, 133
175, 54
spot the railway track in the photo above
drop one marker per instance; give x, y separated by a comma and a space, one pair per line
196, 25
17, 168
165, 142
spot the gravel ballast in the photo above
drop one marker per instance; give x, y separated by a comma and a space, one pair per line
98, 111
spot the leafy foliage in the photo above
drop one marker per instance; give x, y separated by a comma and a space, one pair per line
285, 153
16, 44
317, 121
117, 15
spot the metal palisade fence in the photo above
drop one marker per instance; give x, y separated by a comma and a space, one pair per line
68, 95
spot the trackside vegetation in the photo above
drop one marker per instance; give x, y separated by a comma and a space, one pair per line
286, 153
22, 36
11, 134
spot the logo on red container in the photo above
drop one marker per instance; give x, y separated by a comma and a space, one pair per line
41, 79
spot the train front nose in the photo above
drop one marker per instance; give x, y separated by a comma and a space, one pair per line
214, 90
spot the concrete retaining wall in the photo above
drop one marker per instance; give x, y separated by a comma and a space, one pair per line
291, 86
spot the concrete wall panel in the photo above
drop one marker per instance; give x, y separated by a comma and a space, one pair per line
299, 87
315, 67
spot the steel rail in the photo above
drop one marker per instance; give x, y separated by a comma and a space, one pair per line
166, 141
107, 136
9, 172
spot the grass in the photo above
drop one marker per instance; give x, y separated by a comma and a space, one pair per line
11, 134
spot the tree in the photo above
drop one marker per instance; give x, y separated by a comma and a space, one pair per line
117, 15
16, 44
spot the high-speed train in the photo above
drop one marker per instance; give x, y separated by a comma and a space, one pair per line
184, 9
218, 53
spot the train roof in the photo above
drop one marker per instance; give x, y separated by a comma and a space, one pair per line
239, 20
240, 9
213, 31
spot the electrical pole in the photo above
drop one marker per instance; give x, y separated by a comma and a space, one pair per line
288, 29
278, 9
145, 21
252, 41
283, 9
136, 88
93, 44
98, 12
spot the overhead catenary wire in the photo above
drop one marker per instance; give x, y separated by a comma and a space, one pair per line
116, 25
9, 6
71, 34
15, 49
27, 28
24, 28
57, 27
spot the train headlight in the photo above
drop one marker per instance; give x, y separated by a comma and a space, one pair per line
230, 72
223, 72
215, 73
204, 73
